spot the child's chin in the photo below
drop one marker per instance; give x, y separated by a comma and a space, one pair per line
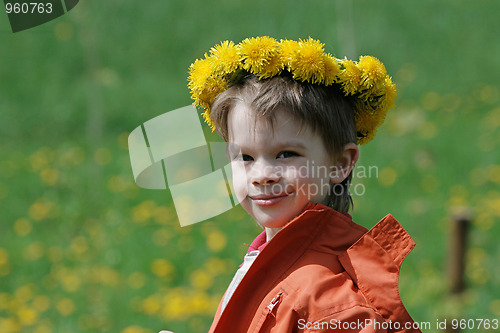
273, 221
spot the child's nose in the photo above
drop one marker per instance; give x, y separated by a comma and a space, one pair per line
264, 173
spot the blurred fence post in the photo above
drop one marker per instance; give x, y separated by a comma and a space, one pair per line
458, 248
461, 223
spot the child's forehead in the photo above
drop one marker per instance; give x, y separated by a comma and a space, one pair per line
244, 119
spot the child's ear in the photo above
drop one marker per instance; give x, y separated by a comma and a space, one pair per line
345, 163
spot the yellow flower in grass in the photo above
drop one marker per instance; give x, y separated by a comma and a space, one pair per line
134, 329
201, 279
65, 306
332, 69
151, 305
27, 316
373, 73
308, 63
350, 77
41, 303
258, 52
216, 241
225, 58
162, 268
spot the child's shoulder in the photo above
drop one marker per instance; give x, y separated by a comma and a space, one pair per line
358, 268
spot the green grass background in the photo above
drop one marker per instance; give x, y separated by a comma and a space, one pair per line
83, 249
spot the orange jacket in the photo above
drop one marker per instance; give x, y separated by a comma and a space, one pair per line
323, 273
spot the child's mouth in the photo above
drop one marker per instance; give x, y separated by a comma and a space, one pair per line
267, 200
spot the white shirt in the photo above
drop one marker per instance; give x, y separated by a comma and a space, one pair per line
240, 273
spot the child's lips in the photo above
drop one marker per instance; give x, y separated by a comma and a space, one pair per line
268, 200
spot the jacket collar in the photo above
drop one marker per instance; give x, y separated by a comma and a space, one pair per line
374, 262
260, 241
327, 229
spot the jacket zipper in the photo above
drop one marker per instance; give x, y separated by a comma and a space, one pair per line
272, 305
269, 312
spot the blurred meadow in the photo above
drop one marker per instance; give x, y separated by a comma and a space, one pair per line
83, 249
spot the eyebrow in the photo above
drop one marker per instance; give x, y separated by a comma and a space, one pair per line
291, 143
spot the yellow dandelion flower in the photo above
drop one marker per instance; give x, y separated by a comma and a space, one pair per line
367, 122
272, 67
151, 305
216, 241
200, 303
381, 95
206, 117
257, 52
201, 103
162, 267
365, 119
366, 80
201, 279
65, 306
215, 86
350, 77
199, 72
225, 58
373, 73
308, 63
70, 282
204, 98
365, 136
24, 293
390, 93
288, 48
41, 303
332, 69
137, 280
375, 96
27, 316
22, 227
133, 329
4, 257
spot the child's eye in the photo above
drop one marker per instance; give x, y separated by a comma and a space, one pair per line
246, 158
287, 154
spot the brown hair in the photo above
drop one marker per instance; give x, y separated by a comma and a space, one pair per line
326, 110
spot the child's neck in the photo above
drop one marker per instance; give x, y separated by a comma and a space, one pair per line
271, 232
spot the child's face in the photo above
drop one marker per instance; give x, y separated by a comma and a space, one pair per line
277, 170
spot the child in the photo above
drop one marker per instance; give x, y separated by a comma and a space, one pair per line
292, 116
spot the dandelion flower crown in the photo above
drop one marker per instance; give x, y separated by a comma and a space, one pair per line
365, 80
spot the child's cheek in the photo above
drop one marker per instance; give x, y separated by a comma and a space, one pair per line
239, 180
295, 175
